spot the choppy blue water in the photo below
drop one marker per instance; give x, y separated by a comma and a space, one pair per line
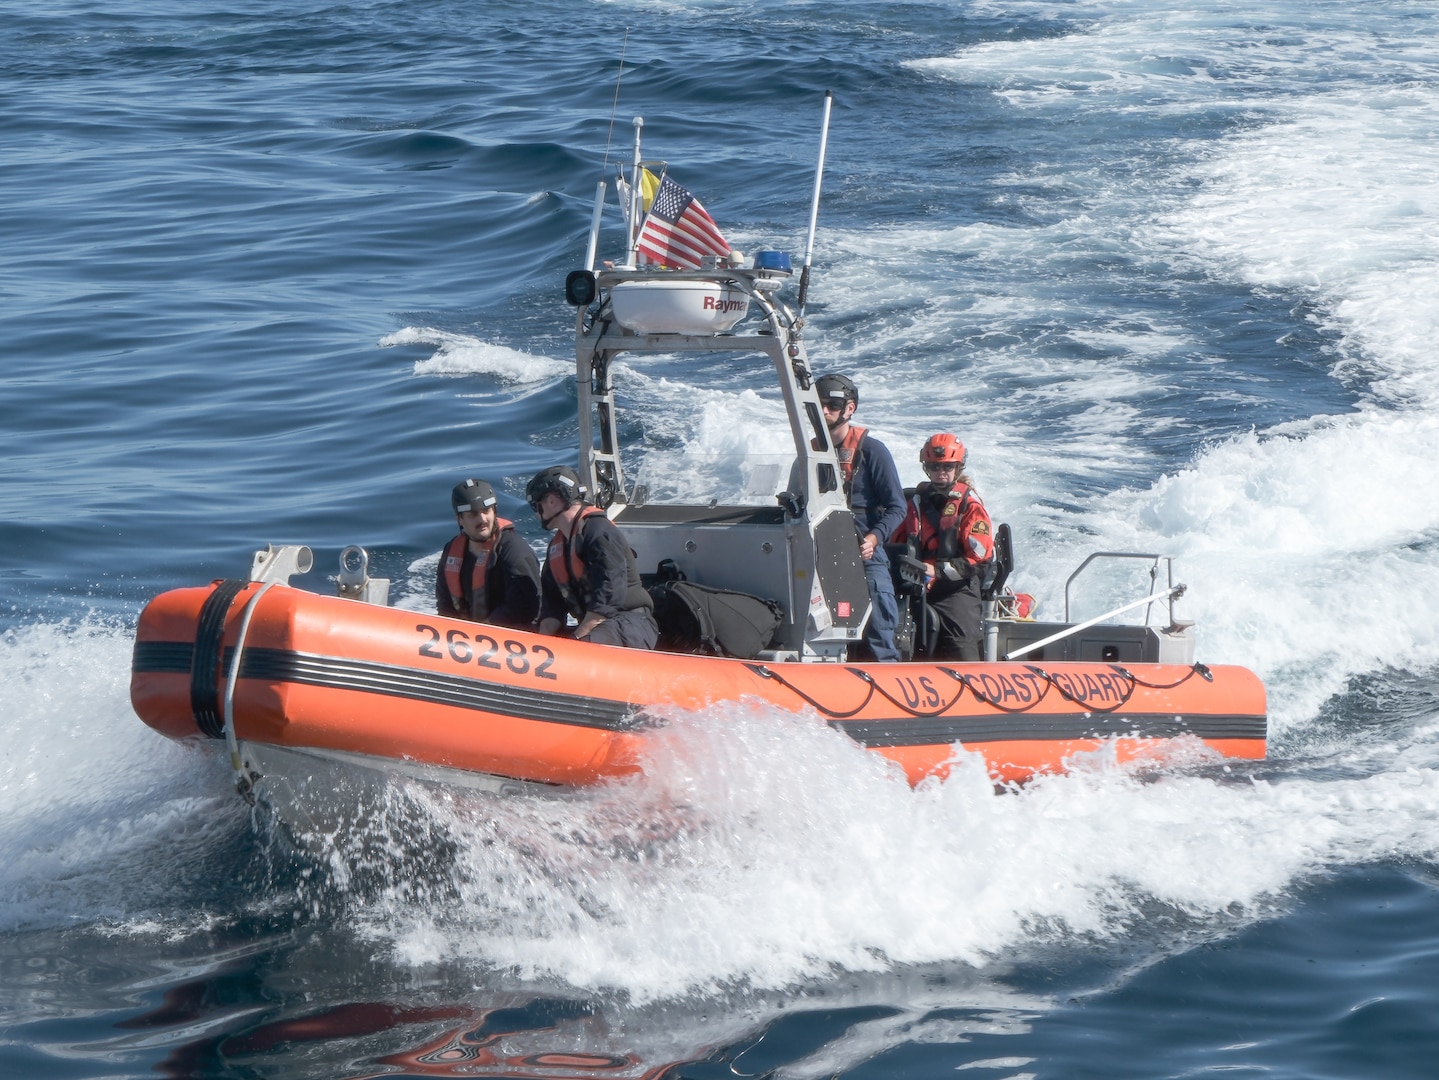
285, 272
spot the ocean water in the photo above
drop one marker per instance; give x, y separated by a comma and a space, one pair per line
286, 272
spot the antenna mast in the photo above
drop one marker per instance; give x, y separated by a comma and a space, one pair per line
814, 207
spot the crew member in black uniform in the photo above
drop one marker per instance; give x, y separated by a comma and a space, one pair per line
589, 570
487, 573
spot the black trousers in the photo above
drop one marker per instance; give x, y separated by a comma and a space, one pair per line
955, 616
634, 629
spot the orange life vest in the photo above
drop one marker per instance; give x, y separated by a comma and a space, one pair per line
939, 528
455, 561
848, 451
942, 529
566, 566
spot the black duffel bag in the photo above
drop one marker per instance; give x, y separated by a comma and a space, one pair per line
700, 619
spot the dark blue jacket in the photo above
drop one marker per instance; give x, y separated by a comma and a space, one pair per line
512, 585
875, 495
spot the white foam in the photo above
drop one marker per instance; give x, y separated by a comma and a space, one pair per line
764, 850
94, 803
761, 850
950, 345
1151, 57
1335, 516
461, 354
1337, 203
416, 591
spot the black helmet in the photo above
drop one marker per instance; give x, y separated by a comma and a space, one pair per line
560, 479
472, 495
834, 388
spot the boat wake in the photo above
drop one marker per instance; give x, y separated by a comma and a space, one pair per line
764, 852
760, 850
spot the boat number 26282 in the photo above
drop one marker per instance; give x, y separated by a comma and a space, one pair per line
486, 652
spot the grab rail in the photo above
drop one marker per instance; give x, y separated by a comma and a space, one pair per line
244, 777
1153, 575
1172, 595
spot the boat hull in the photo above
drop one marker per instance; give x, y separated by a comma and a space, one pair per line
329, 674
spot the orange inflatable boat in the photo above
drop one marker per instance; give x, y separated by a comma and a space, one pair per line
331, 675
348, 679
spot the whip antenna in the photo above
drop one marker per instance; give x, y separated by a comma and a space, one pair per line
814, 206
594, 245
615, 105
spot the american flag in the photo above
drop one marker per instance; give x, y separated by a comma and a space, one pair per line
678, 231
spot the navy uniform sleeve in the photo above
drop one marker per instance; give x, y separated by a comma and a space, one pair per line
606, 565
886, 507
519, 587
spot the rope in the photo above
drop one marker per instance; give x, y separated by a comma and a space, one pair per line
905, 706
970, 682
766, 673
1086, 704
1197, 669
995, 703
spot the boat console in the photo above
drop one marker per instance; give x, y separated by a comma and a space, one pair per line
801, 552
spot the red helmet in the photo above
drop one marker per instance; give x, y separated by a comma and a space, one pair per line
942, 448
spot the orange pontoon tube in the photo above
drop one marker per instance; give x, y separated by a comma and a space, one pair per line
326, 673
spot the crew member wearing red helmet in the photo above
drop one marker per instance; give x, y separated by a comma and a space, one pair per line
487, 573
955, 539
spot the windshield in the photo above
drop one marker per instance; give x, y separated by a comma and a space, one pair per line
697, 477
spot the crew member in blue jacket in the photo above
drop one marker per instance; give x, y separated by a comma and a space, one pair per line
871, 483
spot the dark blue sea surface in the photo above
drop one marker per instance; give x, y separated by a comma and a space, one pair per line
284, 273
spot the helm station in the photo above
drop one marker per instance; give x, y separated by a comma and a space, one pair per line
801, 550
